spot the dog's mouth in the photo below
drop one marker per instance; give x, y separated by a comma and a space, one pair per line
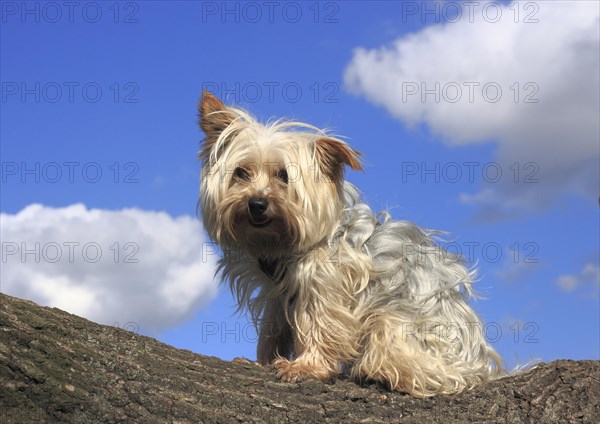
259, 223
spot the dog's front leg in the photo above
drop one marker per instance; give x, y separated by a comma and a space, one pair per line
324, 328
315, 358
325, 331
274, 335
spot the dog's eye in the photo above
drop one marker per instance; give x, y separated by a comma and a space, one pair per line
283, 175
241, 174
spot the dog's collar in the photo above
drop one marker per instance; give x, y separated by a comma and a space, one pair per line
269, 267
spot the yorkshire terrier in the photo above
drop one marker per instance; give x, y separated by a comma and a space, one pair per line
332, 287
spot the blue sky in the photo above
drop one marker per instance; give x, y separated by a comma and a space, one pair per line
98, 108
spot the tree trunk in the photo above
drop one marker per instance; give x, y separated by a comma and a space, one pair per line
57, 367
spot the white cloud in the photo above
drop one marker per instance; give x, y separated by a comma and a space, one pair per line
516, 271
590, 274
111, 267
567, 283
555, 61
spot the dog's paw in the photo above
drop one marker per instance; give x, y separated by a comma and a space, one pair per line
290, 371
295, 371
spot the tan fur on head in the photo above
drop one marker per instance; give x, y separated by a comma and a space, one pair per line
214, 118
243, 159
330, 284
333, 154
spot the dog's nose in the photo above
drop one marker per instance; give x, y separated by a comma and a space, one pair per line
257, 206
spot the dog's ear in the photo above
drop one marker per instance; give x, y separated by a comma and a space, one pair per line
333, 154
213, 118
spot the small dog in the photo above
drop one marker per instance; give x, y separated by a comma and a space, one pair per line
332, 286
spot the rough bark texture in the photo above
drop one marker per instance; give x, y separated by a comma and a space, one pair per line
57, 367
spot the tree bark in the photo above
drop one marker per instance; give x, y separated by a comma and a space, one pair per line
57, 367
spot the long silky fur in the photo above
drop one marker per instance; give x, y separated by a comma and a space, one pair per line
350, 289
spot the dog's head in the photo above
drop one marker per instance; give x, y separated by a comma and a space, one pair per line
269, 190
